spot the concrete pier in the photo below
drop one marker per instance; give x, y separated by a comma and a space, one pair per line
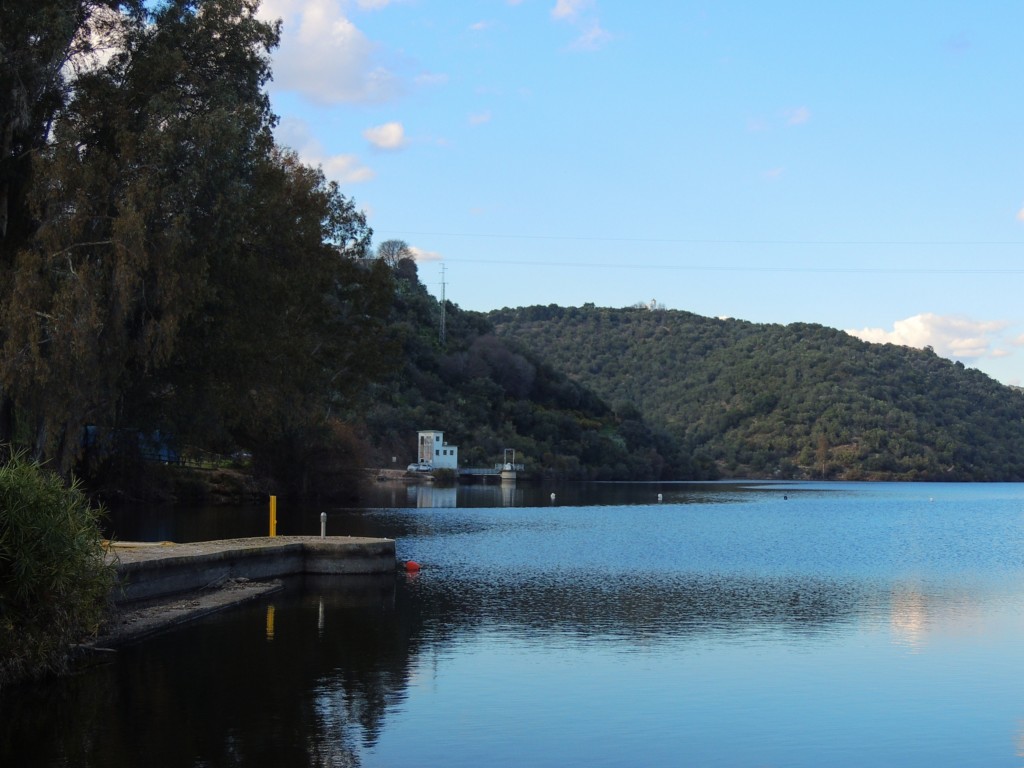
148, 571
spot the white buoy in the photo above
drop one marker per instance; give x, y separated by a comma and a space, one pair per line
552, 498
659, 497
323, 525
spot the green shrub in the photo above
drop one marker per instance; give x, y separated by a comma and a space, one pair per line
54, 583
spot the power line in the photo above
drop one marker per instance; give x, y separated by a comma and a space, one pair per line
745, 268
715, 241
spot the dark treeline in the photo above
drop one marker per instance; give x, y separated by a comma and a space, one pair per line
784, 401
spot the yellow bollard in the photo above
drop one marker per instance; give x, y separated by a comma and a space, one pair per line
273, 516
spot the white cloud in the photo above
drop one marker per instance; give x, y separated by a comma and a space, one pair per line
593, 38
386, 136
953, 336
325, 57
431, 79
480, 26
342, 168
774, 173
797, 116
578, 13
373, 5
420, 255
1020, 215
345, 169
569, 9
479, 118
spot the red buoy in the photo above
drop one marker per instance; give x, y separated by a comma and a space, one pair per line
412, 566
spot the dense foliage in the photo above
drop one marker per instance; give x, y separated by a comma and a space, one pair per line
784, 401
54, 584
164, 265
487, 395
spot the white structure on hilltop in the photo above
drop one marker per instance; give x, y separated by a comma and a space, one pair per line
434, 451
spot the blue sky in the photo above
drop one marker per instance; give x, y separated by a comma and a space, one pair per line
855, 165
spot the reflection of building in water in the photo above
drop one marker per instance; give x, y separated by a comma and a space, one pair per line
494, 495
909, 616
431, 496
510, 494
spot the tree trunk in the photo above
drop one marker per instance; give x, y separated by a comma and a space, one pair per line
6, 425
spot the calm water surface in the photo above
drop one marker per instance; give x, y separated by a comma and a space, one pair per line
727, 625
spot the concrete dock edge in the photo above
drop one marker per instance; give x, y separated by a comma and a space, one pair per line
148, 571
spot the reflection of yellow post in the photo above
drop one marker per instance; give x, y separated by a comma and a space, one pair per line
273, 516
270, 622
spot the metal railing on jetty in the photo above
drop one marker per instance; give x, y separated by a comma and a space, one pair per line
490, 472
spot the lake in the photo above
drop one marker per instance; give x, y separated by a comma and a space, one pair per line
728, 624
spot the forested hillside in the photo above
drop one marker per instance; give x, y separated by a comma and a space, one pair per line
487, 396
783, 401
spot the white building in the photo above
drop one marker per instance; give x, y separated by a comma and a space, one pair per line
433, 450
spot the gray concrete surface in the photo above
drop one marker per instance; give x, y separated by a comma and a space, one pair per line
148, 571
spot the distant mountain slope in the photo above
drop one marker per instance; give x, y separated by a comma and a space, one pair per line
789, 401
487, 396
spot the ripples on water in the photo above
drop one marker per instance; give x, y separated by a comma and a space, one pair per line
797, 625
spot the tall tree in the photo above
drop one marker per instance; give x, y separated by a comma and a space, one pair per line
391, 252
42, 44
143, 183
289, 331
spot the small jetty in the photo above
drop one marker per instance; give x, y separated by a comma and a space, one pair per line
153, 570
162, 584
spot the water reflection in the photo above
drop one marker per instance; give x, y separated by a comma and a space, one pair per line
320, 675
129, 522
856, 628
428, 495
910, 620
424, 496
264, 686
271, 609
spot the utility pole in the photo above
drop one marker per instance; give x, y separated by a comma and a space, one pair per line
441, 330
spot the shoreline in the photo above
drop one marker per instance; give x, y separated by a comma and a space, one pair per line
133, 622
161, 585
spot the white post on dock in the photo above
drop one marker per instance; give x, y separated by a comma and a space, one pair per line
323, 525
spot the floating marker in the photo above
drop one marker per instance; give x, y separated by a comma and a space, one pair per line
552, 498
412, 567
659, 497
